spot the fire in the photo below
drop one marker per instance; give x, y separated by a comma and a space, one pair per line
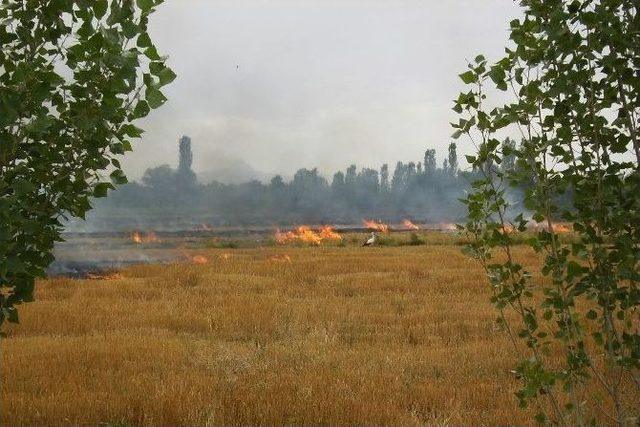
305, 234
193, 259
507, 229
281, 258
410, 225
556, 227
446, 226
140, 238
285, 237
199, 259
376, 225
560, 228
107, 276
328, 233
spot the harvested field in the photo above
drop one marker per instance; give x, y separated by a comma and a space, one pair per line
335, 335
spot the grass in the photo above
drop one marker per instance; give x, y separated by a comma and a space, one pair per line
267, 335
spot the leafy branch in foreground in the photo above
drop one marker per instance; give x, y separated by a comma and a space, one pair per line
74, 76
573, 77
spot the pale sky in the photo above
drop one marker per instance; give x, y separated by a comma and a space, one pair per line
289, 84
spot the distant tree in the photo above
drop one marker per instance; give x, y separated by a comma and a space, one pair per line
309, 191
453, 159
307, 197
186, 178
161, 178
411, 170
337, 184
430, 162
367, 189
399, 178
186, 155
308, 181
276, 183
350, 176
384, 178
277, 202
74, 76
368, 179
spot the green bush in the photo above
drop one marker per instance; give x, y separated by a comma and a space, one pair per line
74, 76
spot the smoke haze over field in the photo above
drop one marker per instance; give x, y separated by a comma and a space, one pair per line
289, 84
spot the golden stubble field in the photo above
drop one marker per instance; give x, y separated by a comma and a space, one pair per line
280, 335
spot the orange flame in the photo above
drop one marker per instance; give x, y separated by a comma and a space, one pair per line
507, 229
375, 225
284, 237
193, 259
199, 259
281, 258
556, 227
410, 225
305, 234
561, 228
109, 276
140, 238
328, 233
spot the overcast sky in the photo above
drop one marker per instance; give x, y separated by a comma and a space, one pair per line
289, 84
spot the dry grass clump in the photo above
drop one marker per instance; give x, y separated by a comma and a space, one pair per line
334, 335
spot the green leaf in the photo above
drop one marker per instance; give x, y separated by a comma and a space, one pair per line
101, 189
22, 186
145, 5
118, 177
155, 98
152, 53
132, 131
144, 41
468, 77
166, 76
141, 110
100, 8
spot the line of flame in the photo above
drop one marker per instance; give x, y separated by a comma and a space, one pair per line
376, 225
305, 234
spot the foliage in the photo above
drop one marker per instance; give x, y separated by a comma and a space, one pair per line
74, 76
574, 73
351, 195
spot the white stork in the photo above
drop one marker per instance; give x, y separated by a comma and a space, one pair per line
371, 240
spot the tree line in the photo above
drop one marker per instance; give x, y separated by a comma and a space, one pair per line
421, 191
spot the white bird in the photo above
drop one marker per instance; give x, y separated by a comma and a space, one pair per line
371, 240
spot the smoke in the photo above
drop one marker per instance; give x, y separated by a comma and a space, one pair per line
314, 83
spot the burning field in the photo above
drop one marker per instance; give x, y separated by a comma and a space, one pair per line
86, 255
299, 326
306, 234
273, 335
